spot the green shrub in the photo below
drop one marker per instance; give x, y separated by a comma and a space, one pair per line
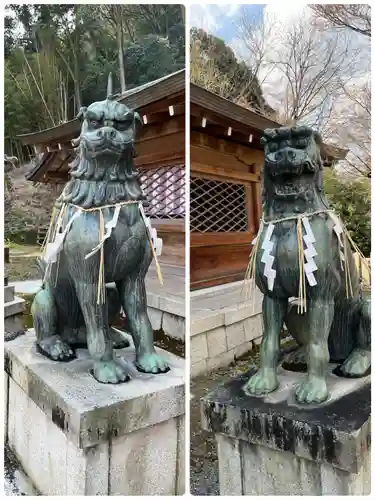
352, 201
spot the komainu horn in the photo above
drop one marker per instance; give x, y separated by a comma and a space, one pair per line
99, 235
303, 251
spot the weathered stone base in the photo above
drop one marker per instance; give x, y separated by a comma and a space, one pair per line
224, 326
250, 469
74, 436
273, 446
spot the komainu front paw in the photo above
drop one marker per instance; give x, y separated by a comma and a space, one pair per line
312, 390
357, 364
262, 382
151, 363
56, 349
110, 372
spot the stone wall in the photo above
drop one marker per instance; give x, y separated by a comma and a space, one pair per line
167, 314
217, 338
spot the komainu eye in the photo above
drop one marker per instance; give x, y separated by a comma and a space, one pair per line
95, 123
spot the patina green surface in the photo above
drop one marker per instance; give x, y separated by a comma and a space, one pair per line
65, 311
335, 327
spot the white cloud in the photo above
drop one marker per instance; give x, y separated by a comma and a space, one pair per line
211, 17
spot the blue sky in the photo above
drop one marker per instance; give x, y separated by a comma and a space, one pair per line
221, 20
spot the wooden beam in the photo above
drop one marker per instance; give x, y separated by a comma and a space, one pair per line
244, 153
213, 239
223, 173
223, 161
166, 145
222, 109
156, 130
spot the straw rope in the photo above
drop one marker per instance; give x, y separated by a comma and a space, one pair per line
302, 295
56, 224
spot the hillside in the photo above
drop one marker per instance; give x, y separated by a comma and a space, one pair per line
32, 203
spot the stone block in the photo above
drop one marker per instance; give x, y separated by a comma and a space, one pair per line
72, 435
242, 349
203, 321
198, 348
172, 306
8, 293
153, 300
16, 306
216, 341
258, 340
253, 327
223, 359
156, 318
229, 466
272, 445
13, 324
198, 368
236, 313
146, 462
174, 326
181, 471
235, 334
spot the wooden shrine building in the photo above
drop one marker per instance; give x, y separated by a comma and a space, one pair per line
226, 159
160, 151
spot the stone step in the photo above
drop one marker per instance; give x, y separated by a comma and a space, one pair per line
16, 306
8, 293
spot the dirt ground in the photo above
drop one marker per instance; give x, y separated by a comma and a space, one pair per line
204, 474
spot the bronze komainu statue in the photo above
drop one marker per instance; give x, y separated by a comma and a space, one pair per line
303, 250
98, 235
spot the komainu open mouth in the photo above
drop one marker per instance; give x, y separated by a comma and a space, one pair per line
287, 190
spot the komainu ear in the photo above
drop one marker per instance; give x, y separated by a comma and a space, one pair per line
81, 113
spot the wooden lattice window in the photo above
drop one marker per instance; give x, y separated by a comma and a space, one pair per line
217, 206
164, 189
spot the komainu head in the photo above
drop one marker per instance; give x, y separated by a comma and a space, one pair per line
108, 128
291, 151
293, 168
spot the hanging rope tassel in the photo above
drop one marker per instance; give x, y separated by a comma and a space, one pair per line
53, 234
249, 281
157, 265
101, 282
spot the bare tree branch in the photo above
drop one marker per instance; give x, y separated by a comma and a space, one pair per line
356, 17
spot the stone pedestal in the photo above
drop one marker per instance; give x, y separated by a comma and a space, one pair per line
273, 446
75, 436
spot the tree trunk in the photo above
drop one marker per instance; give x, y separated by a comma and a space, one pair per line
120, 45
